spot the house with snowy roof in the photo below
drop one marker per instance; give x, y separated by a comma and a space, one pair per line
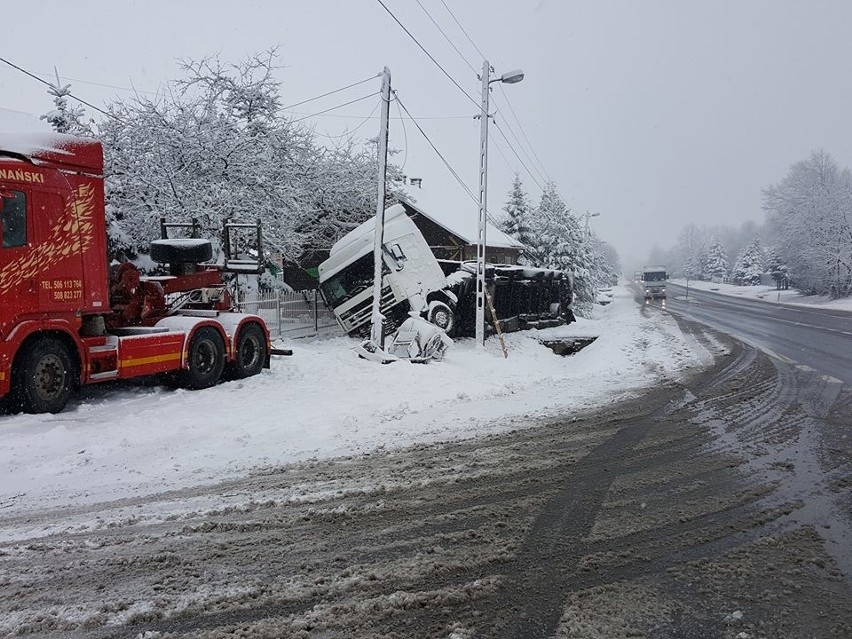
450, 231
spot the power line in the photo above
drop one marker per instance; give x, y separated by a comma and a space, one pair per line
353, 117
45, 82
464, 31
404, 134
512, 149
94, 84
351, 131
502, 155
348, 86
484, 57
429, 55
524, 133
339, 106
446, 37
434, 148
446, 162
541, 174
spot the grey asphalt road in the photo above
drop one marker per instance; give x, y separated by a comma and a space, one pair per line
818, 338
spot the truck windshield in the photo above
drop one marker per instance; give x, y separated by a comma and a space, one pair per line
13, 218
353, 279
655, 276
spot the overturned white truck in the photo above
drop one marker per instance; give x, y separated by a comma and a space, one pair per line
443, 292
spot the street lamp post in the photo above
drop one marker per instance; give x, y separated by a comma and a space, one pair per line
588, 215
510, 77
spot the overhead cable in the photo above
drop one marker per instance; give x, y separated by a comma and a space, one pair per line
523, 149
429, 55
523, 164
464, 31
524, 133
446, 37
71, 95
339, 106
351, 131
446, 162
434, 148
348, 86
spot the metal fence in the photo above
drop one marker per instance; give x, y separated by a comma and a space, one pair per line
296, 314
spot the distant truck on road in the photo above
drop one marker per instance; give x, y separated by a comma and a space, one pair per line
654, 282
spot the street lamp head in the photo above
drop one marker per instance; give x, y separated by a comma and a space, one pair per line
512, 77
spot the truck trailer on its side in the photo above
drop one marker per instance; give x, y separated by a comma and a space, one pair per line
67, 318
444, 292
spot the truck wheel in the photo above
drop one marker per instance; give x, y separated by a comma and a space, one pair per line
251, 352
206, 359
179, 250
442, 316
44, 377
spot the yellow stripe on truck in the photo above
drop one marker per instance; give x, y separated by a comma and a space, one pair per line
153, 359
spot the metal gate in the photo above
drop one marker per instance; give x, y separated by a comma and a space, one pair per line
295, 314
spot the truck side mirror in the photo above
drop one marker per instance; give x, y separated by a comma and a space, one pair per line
396, 252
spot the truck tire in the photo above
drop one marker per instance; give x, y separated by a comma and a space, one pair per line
44, 377
442, 316
206, 359
252, 353
177, 251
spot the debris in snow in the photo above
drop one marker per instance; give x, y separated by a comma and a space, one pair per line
734, 617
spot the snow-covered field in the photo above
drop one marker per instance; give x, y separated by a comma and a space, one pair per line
323, 402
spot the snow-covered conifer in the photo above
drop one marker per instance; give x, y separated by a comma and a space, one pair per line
65, 118
749, 265
517, 212
717, 261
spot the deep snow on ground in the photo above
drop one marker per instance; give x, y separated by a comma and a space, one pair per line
129, 440
769, 294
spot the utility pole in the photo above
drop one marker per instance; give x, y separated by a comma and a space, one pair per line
483, 196
376, 332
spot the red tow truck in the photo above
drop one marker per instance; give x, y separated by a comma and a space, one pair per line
67, 318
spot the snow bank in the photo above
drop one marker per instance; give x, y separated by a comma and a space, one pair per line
769, 294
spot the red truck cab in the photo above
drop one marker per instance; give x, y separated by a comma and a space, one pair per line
58, 327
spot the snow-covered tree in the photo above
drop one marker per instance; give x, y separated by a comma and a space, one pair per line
717, 261
558, 241
691, 255
65, 118
517, 209
776, 267
749, 265
216, 146
810, 215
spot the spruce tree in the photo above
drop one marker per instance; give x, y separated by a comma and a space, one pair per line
749, 265
518, 209
717, 261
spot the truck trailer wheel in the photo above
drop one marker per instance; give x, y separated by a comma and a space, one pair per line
44, 377
251, 353
206, 359
442, 316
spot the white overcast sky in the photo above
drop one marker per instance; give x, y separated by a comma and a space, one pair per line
652, 113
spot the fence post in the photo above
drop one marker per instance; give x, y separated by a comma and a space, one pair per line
316, 313
279, 312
